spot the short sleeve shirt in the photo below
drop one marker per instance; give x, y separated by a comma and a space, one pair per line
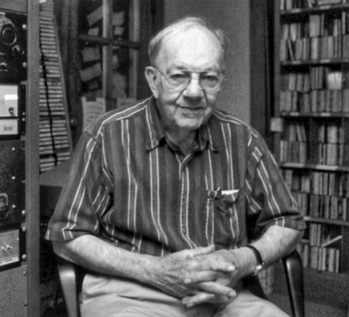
128, 185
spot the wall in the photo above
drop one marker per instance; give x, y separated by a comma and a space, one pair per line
233, 16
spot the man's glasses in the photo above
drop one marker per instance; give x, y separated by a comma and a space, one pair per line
178, 80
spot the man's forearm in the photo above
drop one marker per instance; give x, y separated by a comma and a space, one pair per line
167, 273
97, 255
277, 242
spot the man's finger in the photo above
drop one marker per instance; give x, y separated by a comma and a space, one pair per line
199, 298
223, 267
204, 276
217, 289
203, 297
201, 251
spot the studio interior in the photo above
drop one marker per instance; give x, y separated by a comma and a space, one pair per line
65, 63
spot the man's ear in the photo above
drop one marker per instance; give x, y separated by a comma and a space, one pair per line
151, 76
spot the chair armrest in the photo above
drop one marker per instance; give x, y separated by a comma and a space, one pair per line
68, 275
294, 276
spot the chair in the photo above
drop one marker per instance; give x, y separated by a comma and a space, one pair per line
71, 280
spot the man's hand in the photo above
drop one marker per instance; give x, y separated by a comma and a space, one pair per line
191, 272
174, 274
243, 262
275, 243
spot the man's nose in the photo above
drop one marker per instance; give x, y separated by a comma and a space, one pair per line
194, 89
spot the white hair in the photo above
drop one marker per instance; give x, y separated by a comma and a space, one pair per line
180, 26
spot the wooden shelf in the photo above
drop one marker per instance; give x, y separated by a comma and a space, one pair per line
330, 61
314, 10
318, 167
315, 114
100, 40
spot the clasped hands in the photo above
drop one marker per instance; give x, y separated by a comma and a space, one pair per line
200, 275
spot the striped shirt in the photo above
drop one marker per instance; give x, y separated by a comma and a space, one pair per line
129, 185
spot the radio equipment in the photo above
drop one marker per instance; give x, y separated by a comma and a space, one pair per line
13, 75
13, 47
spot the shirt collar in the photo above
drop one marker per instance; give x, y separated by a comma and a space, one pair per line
156, 133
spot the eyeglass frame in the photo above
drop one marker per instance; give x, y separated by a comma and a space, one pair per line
209, 90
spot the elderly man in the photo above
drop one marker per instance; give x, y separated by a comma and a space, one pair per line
170, 203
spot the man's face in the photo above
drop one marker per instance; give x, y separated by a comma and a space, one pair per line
198, 51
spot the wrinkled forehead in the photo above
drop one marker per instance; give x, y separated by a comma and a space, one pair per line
194, 47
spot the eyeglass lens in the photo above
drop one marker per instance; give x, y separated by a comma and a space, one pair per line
177, 80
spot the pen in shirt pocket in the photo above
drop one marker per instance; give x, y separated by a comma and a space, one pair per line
231, 194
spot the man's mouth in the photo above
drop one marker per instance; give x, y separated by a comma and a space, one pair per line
194, 109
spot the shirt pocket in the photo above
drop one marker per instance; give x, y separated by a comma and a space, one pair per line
225, 201
221, 208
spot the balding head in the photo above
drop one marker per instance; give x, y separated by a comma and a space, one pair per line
179, 27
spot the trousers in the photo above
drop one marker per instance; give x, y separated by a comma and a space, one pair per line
111, 297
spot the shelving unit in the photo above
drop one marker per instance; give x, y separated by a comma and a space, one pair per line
311, 97
19, 172
100, 49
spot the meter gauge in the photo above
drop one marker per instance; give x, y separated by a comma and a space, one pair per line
9, 247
